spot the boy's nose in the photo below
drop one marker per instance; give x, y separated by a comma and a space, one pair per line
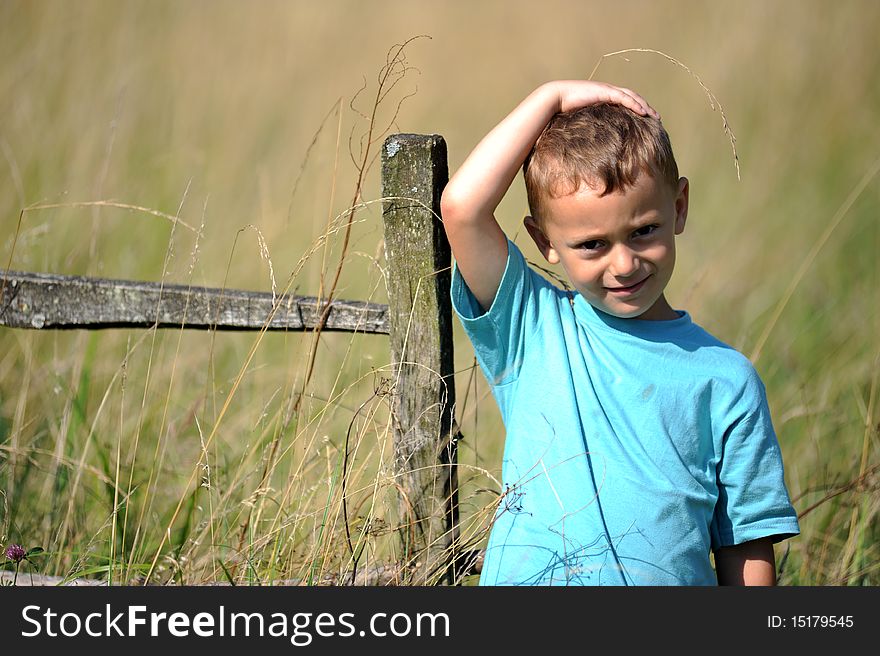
623, 262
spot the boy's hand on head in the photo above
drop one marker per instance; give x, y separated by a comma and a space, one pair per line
469, 200
574, 94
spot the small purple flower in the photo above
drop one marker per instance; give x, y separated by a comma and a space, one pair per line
15, 553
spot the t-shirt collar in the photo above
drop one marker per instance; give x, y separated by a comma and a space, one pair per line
595, 318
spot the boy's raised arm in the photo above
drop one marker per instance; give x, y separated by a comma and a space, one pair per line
471, 196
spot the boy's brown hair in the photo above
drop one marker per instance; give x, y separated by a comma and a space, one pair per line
604, 146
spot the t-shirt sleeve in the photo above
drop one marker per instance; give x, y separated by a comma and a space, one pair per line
753, 501
499, 334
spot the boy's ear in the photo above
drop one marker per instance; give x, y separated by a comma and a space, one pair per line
541, 240
681, 205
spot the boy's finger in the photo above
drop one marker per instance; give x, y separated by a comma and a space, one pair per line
629, 98
633, 101
642, 103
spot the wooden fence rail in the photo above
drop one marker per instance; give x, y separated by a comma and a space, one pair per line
418, 321
44, 300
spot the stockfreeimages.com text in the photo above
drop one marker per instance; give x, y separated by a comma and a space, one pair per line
300, 628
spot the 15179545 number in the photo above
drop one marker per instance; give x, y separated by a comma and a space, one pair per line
810, 622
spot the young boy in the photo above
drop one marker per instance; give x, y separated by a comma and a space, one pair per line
636, 442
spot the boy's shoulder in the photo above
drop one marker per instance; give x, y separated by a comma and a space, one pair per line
519, 282
727, 367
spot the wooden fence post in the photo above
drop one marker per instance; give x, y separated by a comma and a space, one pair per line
414, 172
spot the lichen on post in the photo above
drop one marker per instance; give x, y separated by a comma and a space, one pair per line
414, 172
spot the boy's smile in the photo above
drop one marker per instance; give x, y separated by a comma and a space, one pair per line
618, 250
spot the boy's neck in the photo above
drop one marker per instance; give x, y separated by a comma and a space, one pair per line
660, 311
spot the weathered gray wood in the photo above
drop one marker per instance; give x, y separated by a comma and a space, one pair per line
41, 300
414, 172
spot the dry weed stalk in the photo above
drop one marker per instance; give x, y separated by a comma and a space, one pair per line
390, 75
713, 100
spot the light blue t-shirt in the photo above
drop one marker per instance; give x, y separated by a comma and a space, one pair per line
633, 447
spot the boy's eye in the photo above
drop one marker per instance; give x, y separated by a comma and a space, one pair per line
591, 245
646, 230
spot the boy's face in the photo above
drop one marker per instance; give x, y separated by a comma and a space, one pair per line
618, 250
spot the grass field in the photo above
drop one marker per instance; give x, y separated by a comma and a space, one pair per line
198, 457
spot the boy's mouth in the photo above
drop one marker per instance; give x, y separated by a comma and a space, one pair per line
625, 291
